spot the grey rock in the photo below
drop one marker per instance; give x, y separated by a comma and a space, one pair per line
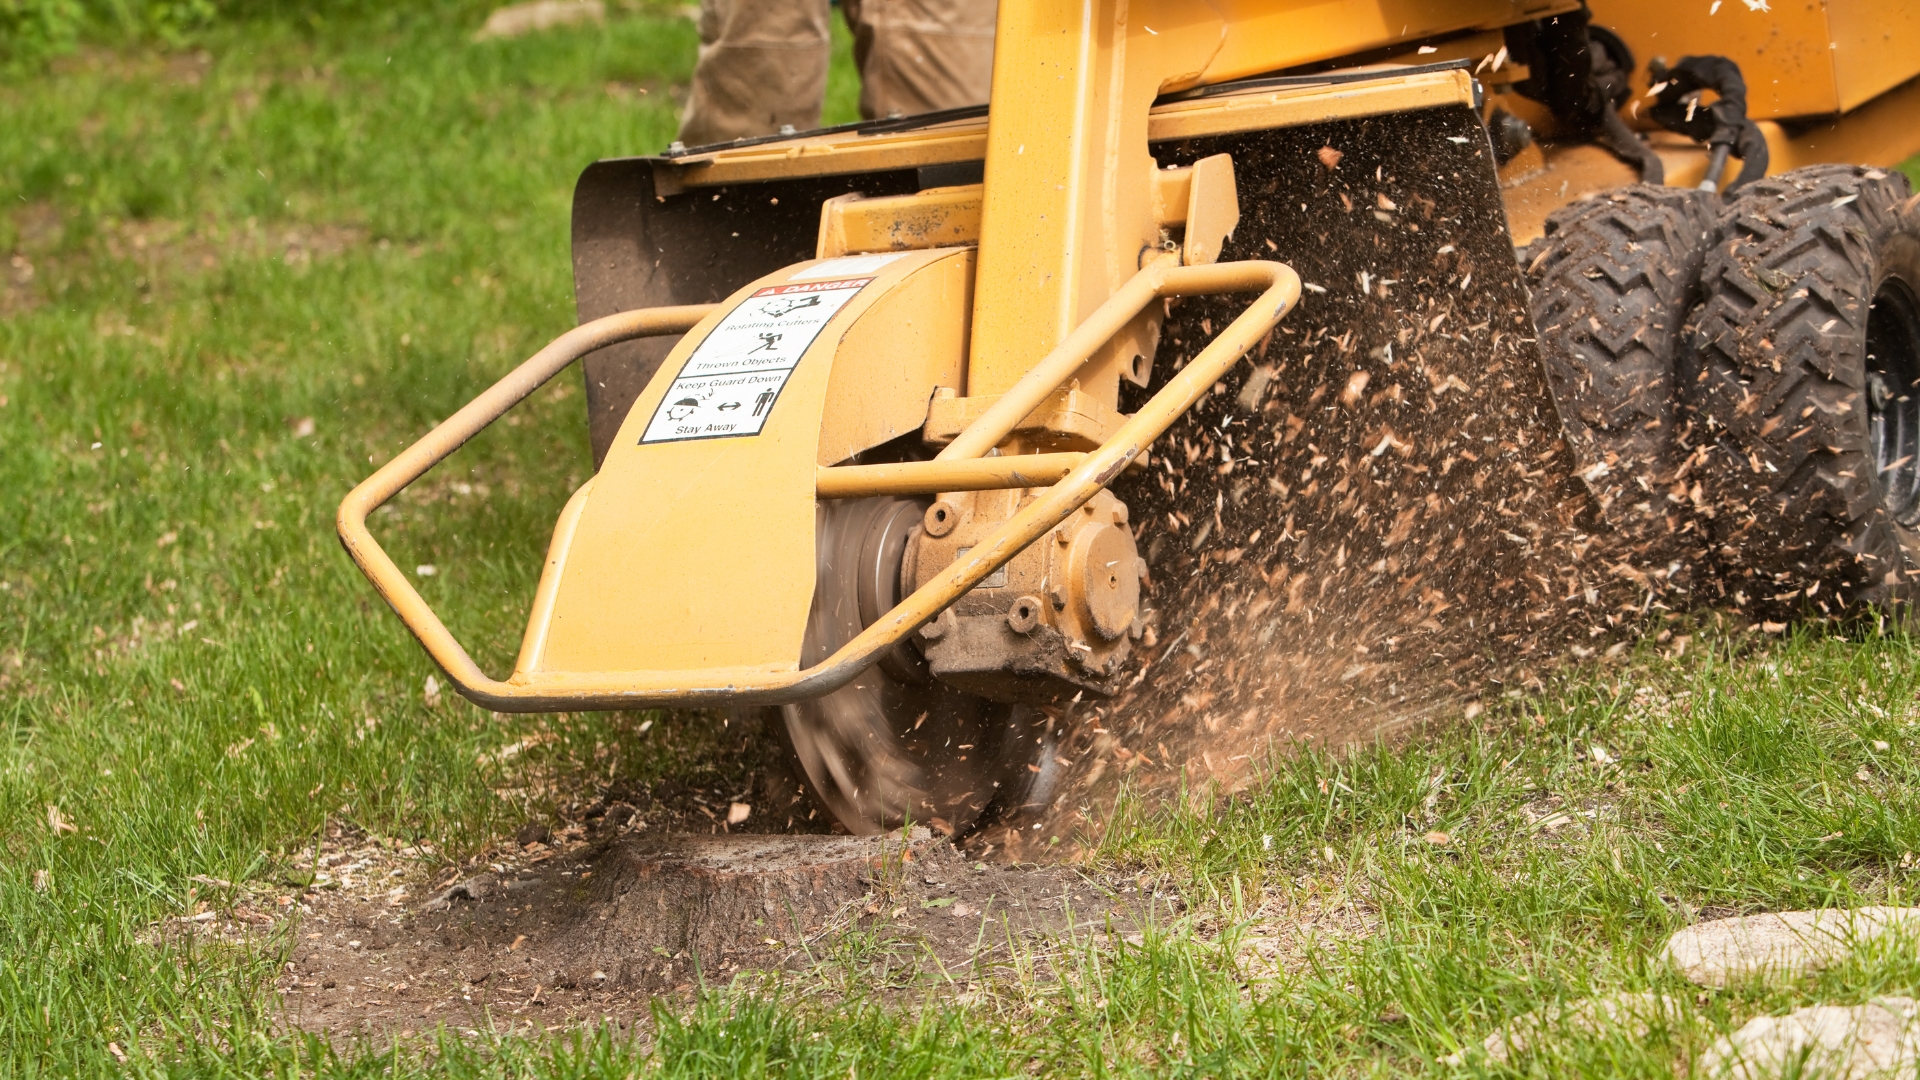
1633, 1015
1787, 943
1831, 1041
474, 888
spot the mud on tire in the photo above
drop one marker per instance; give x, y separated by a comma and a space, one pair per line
1802, 367
1612, 282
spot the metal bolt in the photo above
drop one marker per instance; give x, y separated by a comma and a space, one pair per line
941, 518
1878, 392
1024, 615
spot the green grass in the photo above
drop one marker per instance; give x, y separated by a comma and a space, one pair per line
361, 222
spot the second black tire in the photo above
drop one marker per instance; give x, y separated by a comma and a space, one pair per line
1804, 366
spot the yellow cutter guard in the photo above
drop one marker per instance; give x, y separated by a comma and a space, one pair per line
1076, 478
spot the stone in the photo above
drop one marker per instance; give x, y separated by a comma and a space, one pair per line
515, 20
478, 887
1786, 943
1633, 1015
1829, 1041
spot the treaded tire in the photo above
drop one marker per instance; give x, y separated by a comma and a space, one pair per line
1612, 282
1812, 264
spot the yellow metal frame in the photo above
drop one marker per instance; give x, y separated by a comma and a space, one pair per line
1200, 198
1078, 481
934, 477
841, 153
1061, 253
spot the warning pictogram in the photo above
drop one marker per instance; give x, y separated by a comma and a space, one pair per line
730, 384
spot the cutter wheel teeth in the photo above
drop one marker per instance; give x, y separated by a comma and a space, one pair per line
1805, 374
896, 746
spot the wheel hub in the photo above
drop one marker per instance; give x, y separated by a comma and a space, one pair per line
1893, 396
1056, 621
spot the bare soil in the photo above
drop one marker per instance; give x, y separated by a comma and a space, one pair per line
597, 933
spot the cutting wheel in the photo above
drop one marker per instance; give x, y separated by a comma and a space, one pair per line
897, 745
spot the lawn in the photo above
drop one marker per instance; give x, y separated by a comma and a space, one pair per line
243, 269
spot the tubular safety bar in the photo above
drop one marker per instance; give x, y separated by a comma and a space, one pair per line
934, 477
959, 467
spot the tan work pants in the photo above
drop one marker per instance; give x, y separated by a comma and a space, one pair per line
763, 63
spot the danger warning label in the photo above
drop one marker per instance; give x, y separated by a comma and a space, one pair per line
729, 386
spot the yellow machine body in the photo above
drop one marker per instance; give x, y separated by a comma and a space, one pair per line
1801, 60
1831, 81
620, 592
1010, 317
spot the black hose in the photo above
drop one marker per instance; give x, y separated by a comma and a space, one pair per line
1580, 72
1722, 126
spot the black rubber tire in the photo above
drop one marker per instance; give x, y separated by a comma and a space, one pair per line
1612, 282
1812, 291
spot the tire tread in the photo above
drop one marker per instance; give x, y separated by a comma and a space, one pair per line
1611, 281
1775, 373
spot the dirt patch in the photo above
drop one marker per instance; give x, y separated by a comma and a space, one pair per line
168, 249
17, 292
187, 69
36, 229
598, 932
159, 250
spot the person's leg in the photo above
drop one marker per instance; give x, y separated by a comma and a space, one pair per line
917, 56
763, 66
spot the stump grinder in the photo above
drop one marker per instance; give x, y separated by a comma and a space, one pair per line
1193, 393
